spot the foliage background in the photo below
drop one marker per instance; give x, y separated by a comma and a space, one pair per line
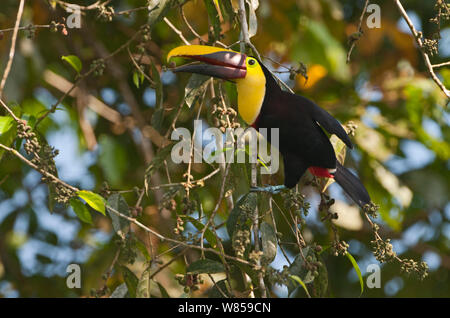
402, 151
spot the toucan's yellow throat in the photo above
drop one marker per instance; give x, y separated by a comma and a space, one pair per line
229, 65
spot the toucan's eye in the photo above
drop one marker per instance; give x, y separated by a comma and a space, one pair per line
251, 62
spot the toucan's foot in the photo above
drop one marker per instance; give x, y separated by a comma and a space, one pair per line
270, 189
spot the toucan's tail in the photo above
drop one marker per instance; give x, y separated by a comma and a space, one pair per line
351, 185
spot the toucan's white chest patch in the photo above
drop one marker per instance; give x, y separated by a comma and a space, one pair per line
251, 91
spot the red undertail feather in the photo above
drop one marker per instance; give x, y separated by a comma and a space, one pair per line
320, 172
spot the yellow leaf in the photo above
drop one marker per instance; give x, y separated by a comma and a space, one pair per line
315, 73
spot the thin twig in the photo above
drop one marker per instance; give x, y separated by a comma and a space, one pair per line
178, 255
191, 155
13, 47
360, 30
418, 39
217, 286
32, 165
276, 231
219, 201
61, 98
180, 34
9, 111
126, 217
167, 239
110, 269
34, 26
125, 12
441, 65
84, 75
139, 68
194, 182
229, 198
246, 42
93, 6
198, 36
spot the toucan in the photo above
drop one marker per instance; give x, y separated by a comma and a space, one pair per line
303, 143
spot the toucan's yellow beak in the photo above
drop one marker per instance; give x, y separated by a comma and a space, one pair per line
220, 63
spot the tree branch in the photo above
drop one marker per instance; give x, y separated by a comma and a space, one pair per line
13, 47
360, 31
246, 42
418, 39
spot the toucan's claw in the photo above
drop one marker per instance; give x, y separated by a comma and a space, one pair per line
270, 189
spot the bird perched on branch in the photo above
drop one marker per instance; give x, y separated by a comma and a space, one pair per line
303, 143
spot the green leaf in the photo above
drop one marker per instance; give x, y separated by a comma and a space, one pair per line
74, 61
141, 247
240, 215
157, 119
340, 150
321, 281
138, 78
43, 259
214, 19
327, 50
252, 19
130, 279
6, 123
7, 132
52, 195
163, 291
143, 287
239, 222
33, 108
156, 163
158, 9
227, 10
118, 203
269, 243
158, 115
81, 210
52, 192
298, 280
120, 291
113, 160
357, 270
209, 235
298, 268
215, 292
205, 266
195, 88
94, 200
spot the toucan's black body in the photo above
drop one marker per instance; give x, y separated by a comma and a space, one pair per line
303, 142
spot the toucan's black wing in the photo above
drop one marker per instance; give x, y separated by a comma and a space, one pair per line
325, 120
273, 105
294, 168
300, 136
